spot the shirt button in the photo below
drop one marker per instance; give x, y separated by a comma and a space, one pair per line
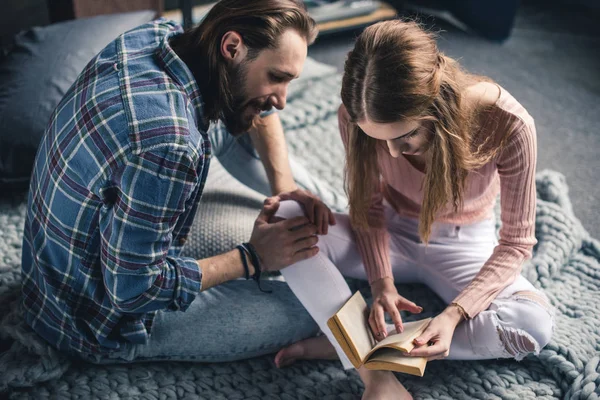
116, 66
182, 241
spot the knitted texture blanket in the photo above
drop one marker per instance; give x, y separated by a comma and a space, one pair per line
565, 265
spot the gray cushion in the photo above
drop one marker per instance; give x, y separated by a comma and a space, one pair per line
35, 75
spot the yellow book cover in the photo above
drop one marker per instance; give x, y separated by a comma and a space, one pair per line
350, 326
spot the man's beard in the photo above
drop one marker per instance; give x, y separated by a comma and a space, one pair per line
240, 116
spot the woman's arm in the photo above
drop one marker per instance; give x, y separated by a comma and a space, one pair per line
516, 167
373, 244
374, 248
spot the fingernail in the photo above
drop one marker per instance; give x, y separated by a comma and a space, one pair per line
420, 309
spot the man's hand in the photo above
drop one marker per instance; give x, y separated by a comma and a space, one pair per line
282, 243
387, 299
317, 212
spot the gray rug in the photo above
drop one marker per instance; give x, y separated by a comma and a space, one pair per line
565, 264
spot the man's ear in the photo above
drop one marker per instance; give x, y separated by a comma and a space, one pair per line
233, 48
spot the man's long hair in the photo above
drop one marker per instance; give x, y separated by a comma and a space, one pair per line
260, 23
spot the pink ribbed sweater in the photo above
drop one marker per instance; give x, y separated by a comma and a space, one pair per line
512, 173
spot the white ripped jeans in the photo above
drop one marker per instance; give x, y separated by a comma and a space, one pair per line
518, 322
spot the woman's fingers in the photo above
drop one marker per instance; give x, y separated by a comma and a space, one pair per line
430, 344
377, 322
434, 352
321, 218
332, 220
405, 304
392, 310
424, 337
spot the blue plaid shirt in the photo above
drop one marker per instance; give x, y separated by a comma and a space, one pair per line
114, 190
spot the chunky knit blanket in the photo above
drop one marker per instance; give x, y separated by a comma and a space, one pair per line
565, 265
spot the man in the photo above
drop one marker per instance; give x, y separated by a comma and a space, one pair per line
119, 175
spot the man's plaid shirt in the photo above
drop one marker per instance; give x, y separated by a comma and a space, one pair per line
115, 187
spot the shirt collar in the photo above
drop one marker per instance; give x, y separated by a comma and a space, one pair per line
180, 72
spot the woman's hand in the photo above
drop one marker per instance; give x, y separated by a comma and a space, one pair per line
387, 299
434, 342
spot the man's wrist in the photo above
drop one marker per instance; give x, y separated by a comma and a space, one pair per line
251, 268
284, 187
247, 263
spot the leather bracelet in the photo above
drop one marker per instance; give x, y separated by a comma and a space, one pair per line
256, 262
244, 261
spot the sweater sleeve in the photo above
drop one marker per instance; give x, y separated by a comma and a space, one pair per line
516, 168
373, 243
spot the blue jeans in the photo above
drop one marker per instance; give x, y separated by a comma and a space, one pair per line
229, 322
234, 320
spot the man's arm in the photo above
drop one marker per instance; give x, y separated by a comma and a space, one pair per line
136, 230
222, 268
269, 141
277, 245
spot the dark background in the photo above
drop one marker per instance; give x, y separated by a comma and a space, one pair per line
550, 63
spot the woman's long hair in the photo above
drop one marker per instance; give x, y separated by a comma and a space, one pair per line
260, 23
396, 72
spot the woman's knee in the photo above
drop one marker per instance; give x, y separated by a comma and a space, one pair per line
525, 323
289, 209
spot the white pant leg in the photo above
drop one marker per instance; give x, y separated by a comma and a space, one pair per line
513, 326
319, 282
524, 324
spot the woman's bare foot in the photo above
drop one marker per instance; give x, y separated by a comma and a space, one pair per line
382, 385
316, 348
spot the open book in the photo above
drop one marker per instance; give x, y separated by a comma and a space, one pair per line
350, 326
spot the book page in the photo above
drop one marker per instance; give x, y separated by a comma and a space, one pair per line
392, 360
343, 342
403, 341
352, 319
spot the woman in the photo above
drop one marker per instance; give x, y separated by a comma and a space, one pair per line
428, 148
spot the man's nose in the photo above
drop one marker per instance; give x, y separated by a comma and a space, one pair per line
278, 99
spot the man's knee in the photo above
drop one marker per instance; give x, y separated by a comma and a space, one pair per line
528, 326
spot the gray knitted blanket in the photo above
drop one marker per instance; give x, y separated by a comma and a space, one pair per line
565, 265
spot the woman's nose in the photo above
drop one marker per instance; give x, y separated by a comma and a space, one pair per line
394, 147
